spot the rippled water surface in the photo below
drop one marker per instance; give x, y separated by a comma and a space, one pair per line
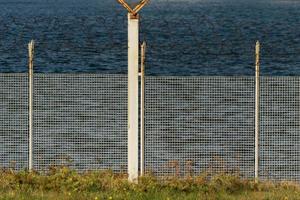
199, 37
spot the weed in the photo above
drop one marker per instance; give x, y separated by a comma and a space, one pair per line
64, 183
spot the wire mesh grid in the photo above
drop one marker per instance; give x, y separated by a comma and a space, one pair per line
14, 121
80, 120
280, 128
193, 124
199, 124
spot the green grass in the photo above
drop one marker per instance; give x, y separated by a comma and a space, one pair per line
64, 184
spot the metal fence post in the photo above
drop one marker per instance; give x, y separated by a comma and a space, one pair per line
30, 101
143, 57
257, 108
133, 97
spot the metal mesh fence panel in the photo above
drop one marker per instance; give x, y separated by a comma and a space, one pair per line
280, 128
14, 121
199, 124
192, 124
80, 120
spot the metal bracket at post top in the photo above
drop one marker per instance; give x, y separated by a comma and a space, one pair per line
136, 9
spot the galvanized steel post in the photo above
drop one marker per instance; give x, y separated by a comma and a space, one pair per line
30, 102
257, 108
142, 137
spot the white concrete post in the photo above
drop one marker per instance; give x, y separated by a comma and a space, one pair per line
257, 108
30, 101
133, 97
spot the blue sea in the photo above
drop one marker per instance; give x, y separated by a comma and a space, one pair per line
184, 37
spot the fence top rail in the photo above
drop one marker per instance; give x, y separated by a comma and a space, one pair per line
65, 74
147, 76
218, 76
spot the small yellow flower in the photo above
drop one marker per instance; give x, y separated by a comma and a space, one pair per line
110, 198
96, 198
69, 193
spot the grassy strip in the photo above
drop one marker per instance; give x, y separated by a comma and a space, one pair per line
62, 183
